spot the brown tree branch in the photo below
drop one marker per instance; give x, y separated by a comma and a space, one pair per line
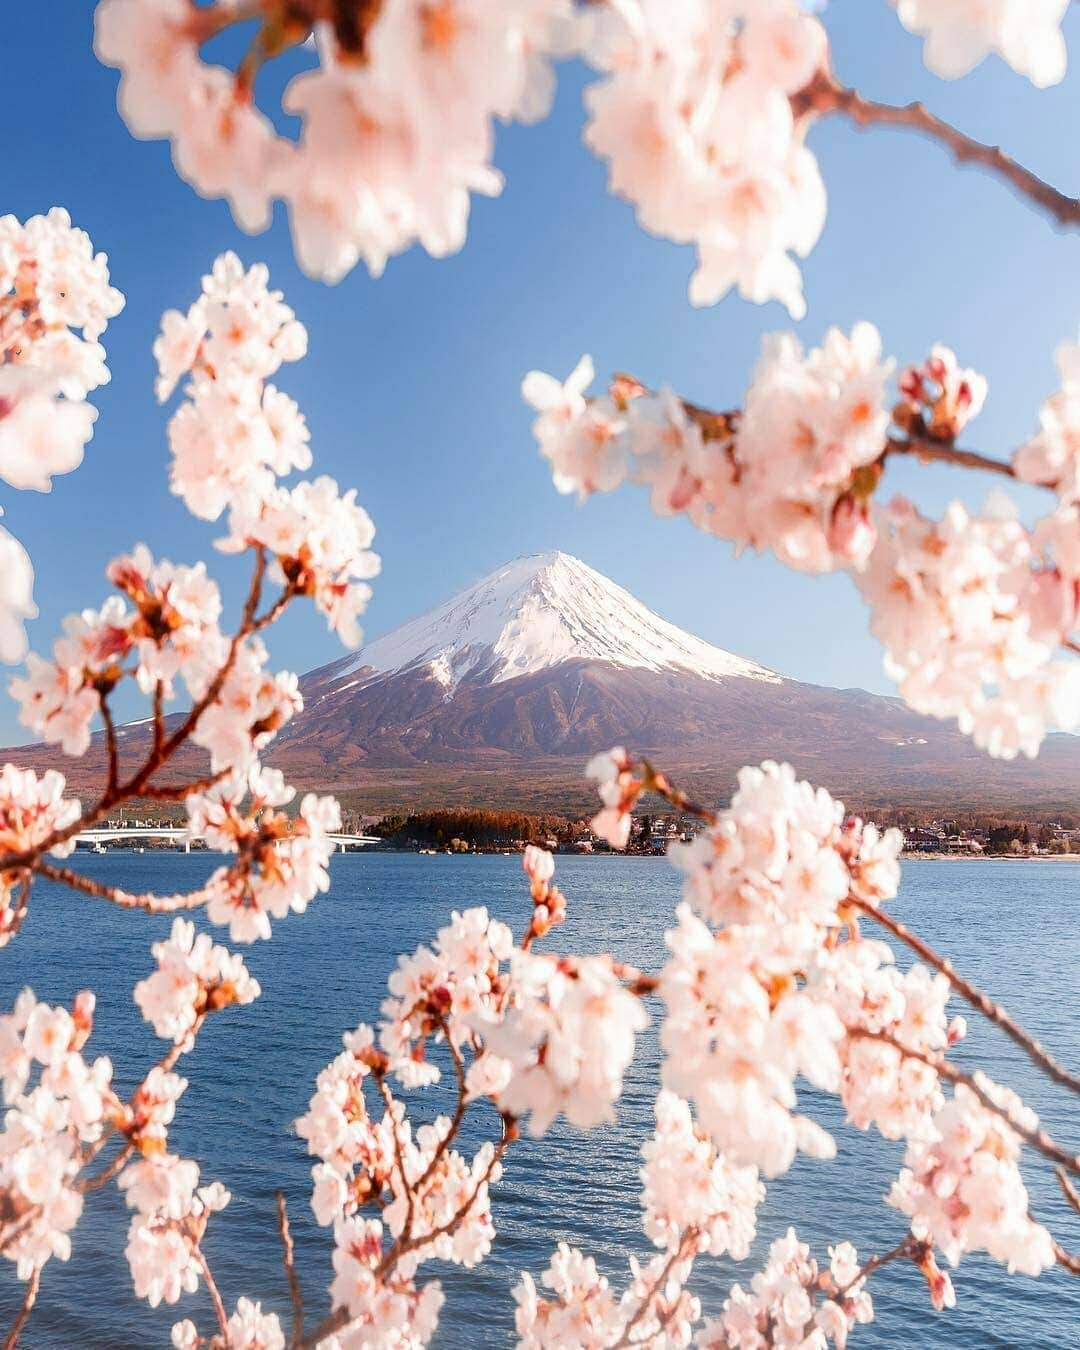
1037, 1137
928, 451
29, 1298
825, 96
214, 1292
288, 1256
110, 742
1068, 1189
152, 904
986, 1005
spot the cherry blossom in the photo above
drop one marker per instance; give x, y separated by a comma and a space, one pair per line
16, 597
1052, 457
696, 121
792, 473
234, 432
47, 1126
782, 1308
962, 1187
383, 1312
320, 540
282, 863
445, 991
585, 1311
689, 1185
957, 604
618, 790
390, 148
172, 1211
193, 977
960, 33
568, 1035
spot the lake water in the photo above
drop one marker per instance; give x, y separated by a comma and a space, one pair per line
1011, 926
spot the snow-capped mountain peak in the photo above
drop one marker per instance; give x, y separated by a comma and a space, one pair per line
535, 613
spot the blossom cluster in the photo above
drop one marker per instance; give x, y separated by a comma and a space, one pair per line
397, 118
430, 1196
282, 863
47, 1126
193, 977
568, 1037
55, 303
973, 611
696, 121
793, 472
694, 1201
962, 1188
783, 1305
235, 435
32, 810
171, 1213
961, 33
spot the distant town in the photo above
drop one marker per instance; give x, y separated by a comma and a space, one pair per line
480, 831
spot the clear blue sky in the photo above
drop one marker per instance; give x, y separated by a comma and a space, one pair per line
411, 384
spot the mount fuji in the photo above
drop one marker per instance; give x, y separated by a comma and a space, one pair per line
497, 697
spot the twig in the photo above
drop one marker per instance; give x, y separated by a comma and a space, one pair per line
388, 1098
907, 1247
288, 1256
110, 741
688, 1239
986, 1005
1068, 1189
1037, 1137
459, 1110
927, 451
32, 1286
153, 904
106, 1174
825, 95
1066, 1259
214, 1292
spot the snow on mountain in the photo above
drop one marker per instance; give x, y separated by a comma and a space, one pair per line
533, 614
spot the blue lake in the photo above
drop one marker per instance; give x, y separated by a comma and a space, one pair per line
1012, 927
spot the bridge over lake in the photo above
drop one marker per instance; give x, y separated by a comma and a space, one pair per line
102, 835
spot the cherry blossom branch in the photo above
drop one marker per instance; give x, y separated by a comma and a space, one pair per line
909, 1248
114, 1168
152, 904
1068, 1189
682, 1252
994, 1012
1066, 1259
459, 1110
1036, 1137
927, 451
161, 754
340, 1319
288, 1257
825, 96
399, 1152
214, 1292
29, 1298
110, 741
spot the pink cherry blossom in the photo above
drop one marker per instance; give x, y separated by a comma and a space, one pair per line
960, 33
